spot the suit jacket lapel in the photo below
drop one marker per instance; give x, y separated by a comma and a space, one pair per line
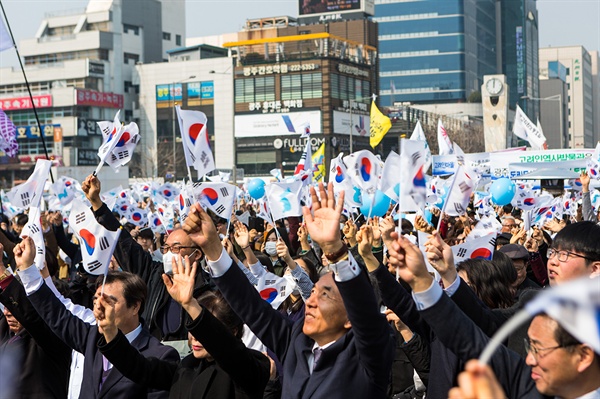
323, 368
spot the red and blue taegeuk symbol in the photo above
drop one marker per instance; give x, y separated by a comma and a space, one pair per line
194, 131
365, 169
482, 253
268, 294
211, 195
339, 174
89, 240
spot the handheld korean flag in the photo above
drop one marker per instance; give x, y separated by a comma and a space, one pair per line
482, 247
137, 216
192, 125
364, 169
575, 305
218, 197
274, 289
419, 134
33, 229
304, 167
390, 177
155, 223
168, 191
341, 180
184, 202
413, 187
460, 191
284, 199
30, 193
263, 211
124, 147
97, 243
444, 143
112, 136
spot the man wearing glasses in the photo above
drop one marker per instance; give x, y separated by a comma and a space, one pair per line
165, 318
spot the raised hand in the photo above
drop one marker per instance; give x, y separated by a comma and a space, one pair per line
282, 251
91, 188
201, 229
584, 178
323, 223
477, 382
518, 237
24, 253
376, 231
365, 241
241, 234
181, 285
55, 218
409, 263
349, 231
387, 227
439, 255
104, 311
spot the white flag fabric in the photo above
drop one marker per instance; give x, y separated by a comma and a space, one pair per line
338, 176
487, 225
5, 39
593, 164
284, 199
413, 187
364, 169
544, 144
30, 193
264, 212
194, 134
305, 163
419, 134
244, 217
125, 146
527, 130
482, 247
137, 216
460, 191
444, 143
65, 189
33, 229
575, 305
97, 243
168, 191
272, 288
155, 223
218, 197
111, 133
184, 202
390, 177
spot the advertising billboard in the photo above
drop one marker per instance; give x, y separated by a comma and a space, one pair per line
344, 122
277, 124
317, 7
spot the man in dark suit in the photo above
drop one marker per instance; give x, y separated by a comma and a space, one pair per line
164, 317
128, 292
41, 360
343, 346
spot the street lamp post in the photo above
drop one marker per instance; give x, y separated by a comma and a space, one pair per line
172, 95
556, 97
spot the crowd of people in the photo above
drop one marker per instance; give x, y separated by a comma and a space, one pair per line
365, 309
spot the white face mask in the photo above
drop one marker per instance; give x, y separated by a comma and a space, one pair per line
168, 260
271, 248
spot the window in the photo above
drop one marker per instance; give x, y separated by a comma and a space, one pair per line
348, 88
298, 87
166, 36
131, 28
178, 40
255, 89
130, 57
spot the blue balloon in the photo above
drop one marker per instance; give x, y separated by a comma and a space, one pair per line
502, 191
256, 188
380, 205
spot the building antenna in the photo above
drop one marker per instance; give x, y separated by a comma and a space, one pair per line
37, 119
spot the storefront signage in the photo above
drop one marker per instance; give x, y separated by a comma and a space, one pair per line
11, 104
33, 132
352, 70
275, 106
278, 68
98, 99
292, 123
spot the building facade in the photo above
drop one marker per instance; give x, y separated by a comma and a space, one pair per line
434, 51
579, 79
80, 68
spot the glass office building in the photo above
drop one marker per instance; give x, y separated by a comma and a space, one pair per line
434, 51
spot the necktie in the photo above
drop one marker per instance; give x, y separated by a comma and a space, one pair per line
317, 355
105, 371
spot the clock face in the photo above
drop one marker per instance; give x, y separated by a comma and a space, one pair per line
494, 86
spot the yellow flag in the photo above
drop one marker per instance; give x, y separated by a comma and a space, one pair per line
380, 124
318, 161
